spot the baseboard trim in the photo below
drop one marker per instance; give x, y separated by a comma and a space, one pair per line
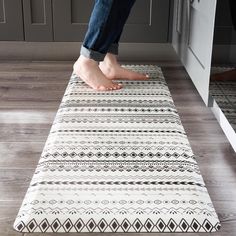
224, 124
18, 50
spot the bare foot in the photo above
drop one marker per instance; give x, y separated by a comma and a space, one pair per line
89, 71
113, 70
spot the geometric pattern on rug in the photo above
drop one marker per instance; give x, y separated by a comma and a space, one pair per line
117, 161
224, 93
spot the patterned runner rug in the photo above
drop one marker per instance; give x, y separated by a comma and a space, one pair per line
117, 161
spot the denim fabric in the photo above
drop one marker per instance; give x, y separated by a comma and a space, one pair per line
105, 28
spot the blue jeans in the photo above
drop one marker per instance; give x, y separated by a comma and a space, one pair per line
105, 28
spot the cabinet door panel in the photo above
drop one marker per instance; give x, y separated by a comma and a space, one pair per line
197, 38
199, 30
38, 20
148, 21
11, 22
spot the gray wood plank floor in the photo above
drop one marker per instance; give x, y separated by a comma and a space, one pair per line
30, 95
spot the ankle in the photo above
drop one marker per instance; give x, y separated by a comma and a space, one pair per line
85, 61
110, 59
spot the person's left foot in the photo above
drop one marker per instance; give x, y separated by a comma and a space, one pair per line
113, 70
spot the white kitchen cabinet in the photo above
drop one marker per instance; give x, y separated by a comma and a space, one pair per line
193, 30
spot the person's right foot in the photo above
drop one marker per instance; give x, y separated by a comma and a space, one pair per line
88, 70
113, 70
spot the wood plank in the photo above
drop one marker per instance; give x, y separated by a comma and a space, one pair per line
14, 183
24, 132
27, 116
8, 212
18, 155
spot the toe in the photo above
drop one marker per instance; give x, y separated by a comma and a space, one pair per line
118, 86
102, 88
142, 76
115, 87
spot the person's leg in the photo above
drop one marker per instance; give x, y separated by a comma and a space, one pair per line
104, 31
110, 66
113, 70
105, 27
96, 42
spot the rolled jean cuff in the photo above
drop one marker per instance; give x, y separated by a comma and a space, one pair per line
113, 48
89, 53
